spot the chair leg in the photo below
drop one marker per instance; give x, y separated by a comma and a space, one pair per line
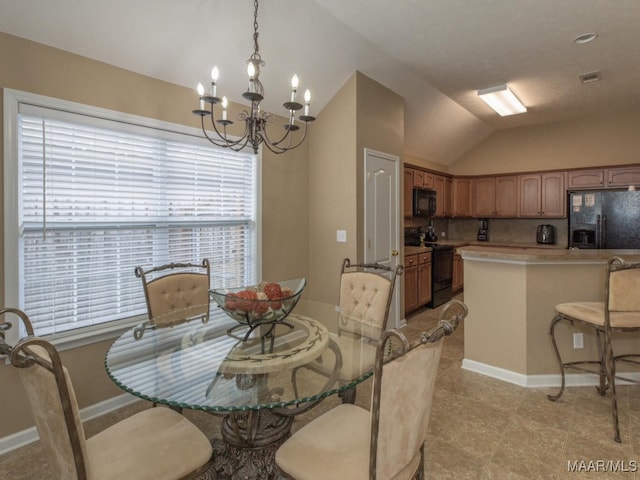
552, 329
611, 375
604, 379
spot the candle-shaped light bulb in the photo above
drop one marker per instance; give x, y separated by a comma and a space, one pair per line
294, 87
251, 71
214, 79
307, 101
201, 93
224, 108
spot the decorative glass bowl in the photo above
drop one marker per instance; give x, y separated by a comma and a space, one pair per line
265, 303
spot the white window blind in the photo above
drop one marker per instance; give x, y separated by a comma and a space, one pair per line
97, 199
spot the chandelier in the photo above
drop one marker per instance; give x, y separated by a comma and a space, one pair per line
256, 121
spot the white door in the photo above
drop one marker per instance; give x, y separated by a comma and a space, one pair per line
381, 219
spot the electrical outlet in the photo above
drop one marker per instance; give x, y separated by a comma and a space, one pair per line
578, 340
341, 236
443, 234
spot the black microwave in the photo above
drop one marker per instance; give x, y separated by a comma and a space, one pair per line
424, 202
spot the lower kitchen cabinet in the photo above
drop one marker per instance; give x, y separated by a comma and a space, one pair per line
458, 273
417, 281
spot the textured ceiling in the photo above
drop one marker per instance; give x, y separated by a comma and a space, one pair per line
435, 53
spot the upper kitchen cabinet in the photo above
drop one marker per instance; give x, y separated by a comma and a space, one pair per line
623, 177
496, 196
620, 177
408, 192
585, 179
422, 179
443, 186
462, 197
542, 195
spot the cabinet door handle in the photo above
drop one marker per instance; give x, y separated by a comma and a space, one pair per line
394, 253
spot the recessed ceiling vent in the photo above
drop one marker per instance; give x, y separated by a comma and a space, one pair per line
589, 77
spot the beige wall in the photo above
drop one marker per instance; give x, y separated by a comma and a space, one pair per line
363, 114
587, 142
380, 125
422, 162
35, 68
332, 194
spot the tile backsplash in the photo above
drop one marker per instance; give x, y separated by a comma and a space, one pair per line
517, 230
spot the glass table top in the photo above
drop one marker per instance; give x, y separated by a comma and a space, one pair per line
209, 366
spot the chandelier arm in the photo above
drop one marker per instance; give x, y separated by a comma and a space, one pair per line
288, 134
212, 140
223, 136
272, 148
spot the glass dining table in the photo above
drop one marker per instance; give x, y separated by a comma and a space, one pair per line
256, 383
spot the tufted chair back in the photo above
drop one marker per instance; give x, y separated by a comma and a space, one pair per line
177, 296
365, 297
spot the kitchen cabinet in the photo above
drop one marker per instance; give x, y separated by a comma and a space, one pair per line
422, 179
410, 282
623, 177
462, 197
458, 273
442, 186
496, 196
417, 281
542, 195
424, 279
585, 179
408, 192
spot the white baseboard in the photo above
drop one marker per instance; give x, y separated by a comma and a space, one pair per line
539, 381
30, 435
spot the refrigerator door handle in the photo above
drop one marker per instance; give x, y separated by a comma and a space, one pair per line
604, 231
598, 232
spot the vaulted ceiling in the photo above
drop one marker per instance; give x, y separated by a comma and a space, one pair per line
434, 53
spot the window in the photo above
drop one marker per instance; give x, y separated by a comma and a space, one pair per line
99, 194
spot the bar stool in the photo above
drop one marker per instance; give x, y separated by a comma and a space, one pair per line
619, 313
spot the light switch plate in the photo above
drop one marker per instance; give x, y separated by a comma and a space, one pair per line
341, 236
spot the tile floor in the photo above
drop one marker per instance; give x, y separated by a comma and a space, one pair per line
480, 428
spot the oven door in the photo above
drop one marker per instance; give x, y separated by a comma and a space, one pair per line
441, 275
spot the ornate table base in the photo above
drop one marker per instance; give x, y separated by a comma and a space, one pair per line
248, 445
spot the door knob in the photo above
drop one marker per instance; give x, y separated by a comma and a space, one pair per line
394, 253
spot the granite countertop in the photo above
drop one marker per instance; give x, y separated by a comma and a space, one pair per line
544, 255
411, 250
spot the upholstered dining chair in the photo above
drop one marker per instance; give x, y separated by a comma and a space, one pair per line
387, 442
618, 313
157, 443
182, 294
366, 291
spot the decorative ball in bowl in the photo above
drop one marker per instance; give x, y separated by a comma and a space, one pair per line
267, 302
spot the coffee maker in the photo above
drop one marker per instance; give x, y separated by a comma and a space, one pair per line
483, 231
430, 235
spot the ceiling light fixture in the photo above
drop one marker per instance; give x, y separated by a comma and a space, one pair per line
502, 100
256, 121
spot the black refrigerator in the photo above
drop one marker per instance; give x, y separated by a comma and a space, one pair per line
604, 219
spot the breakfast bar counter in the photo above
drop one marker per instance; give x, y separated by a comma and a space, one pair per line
511, 294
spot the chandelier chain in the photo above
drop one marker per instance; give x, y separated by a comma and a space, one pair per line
256, 49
